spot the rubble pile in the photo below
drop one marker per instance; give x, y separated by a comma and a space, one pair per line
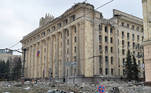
49, 87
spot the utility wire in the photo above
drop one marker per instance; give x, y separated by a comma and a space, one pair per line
14, 45
104, 4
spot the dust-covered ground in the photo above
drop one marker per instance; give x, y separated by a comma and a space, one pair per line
46, 87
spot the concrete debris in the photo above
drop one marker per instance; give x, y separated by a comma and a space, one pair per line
49, 87
27, 88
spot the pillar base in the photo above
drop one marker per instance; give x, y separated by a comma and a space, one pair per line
148, 83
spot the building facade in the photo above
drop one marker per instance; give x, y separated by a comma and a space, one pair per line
147, 39
6, 55
81, 43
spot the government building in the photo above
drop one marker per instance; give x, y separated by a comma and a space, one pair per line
147, 39
81, 43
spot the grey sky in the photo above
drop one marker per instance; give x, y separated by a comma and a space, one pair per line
20, 17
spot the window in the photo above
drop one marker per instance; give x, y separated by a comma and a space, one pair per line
111, 60
111, 40
133, 27
75, 49
65, 21
75, 39
106, 29
122, 43
67, 50
112, 71
111, 49
100, 48
137, 37
139, 62
106, 49
142, 38
106, 39
48, 30
100, 59
142, 29
128, 44
100, 28
67, 33
122, 35
111, 30
100, 69
106, 59
133, 45
134, 53
59, 25
53, 28
137, 28
127, 25
42, 34
133, 36
106, 71
123, 61
122, 23
128, 36
124, 72
100, 38
68, 42
75, 58
73, 18
123, 51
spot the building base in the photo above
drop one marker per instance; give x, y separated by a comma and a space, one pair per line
147, 83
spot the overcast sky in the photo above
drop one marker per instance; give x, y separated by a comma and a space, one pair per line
20, 17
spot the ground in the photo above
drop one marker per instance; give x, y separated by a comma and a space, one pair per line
46, 86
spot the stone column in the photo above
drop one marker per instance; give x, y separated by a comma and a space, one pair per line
51, 57
48, 57
35, 65
38, 60
109, 53
26, 63
57, 55
103, 50
78, 49
41, 59
63, 52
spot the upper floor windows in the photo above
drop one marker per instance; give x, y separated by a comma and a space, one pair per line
122, 35
72, 18
100, 38
48, 30
111, 40
75, 39
122, 23
111, 30
100, 28
65, 21
128, 36
53, 28
59, 25
133, 37
100, 48
127, 25
133, 27
137, 37
137, 28
43, 34
106, 49
106, 39
106, 29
